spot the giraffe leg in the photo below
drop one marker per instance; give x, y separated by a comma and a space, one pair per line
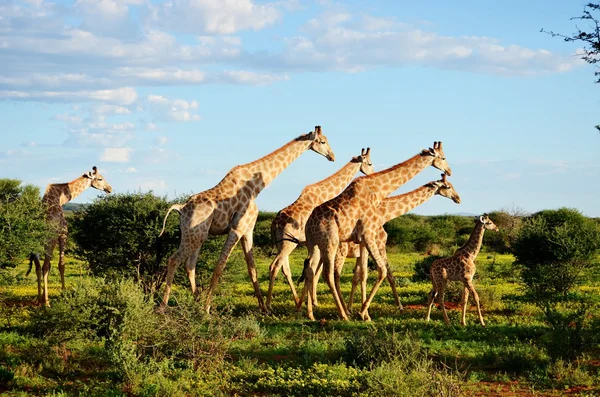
392, 280
430, 299
356, 277
309, 274
182, 253
476, 297
441, 301
62, 242
329, 269
249, 256
363, 261
340, 257
46, 270
232, 239
315, 282
38, 273
465, 299
371, 244
190, 268
281, 261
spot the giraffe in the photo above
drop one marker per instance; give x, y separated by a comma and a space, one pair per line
57, 195
290, 221
459, 267
390, 208
356, 208
229, 208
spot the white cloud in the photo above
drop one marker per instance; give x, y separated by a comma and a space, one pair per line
130, 170
172, 109
339, 42
115, 155
123, 96
215, 16
157, 185
161, 140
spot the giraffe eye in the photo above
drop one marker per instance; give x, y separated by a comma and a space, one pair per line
98, 179
322, 142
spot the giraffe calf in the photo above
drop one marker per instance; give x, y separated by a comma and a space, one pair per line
459, 267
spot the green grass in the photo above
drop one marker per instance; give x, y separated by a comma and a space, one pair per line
285, 354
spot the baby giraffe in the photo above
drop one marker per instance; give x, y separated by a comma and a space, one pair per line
459, 267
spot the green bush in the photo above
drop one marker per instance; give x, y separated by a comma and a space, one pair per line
23, 226
421, 268
118, 236
554, 247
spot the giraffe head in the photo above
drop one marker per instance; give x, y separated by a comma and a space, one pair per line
439, 158
445, 189
319, 144
366, 166
98, 181
487, 222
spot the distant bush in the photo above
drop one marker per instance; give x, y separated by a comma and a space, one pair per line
509, 224
23, 226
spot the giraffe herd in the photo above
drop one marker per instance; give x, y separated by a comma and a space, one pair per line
335, 218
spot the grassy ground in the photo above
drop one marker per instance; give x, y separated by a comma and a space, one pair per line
286, 354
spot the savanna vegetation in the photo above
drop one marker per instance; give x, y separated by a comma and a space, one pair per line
538, 281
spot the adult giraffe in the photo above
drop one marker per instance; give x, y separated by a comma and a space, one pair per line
287, 229
57, 195
229, 208
335, 221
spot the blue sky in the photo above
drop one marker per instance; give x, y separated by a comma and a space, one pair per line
169, 96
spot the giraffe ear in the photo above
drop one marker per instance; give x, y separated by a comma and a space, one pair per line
481, 218
88, 175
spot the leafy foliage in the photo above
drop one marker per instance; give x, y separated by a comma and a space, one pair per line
23, 226
589, 39
554, 247
118, 236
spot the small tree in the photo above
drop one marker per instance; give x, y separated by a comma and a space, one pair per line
23, 226
118, 236
509, 222
554, 247
590, 38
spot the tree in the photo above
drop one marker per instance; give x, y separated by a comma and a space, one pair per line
23, 226
590, 39
118, 236
555, 247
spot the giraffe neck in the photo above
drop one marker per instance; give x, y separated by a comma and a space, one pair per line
328, 188
384, 182
61, 193
393, 207
274, 163
473, 245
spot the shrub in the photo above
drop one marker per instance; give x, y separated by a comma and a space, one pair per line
118, 236
554, 247
23, 226
422, 267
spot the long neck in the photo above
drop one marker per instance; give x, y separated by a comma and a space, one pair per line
328, 188
274, 163
73, 189
473, 245
393, 207
386, 181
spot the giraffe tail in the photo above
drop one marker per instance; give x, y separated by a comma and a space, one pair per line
306, 266
176, 207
